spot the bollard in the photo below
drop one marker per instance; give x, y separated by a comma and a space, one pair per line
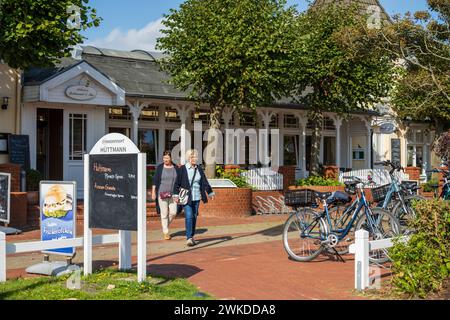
361, 259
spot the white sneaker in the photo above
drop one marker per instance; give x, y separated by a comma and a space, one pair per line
190, 242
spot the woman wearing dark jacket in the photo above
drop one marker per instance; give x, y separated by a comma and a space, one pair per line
163, 183
191, 173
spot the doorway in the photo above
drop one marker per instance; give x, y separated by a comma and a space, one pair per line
49, 144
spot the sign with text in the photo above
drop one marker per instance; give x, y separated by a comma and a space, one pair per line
19, 150
396, 151
113, 192
5, 196
58, 205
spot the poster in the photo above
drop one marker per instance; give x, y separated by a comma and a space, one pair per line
58, 213
5, 189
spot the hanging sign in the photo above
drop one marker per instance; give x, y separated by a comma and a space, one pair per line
388, 128
58, 205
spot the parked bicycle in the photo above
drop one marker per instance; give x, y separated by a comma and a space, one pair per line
397, 197
308, 232
445, 194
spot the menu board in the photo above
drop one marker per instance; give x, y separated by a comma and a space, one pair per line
396, 151
19, 150
5, 186
113, 191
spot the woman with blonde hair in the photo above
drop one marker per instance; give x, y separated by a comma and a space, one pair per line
192, 182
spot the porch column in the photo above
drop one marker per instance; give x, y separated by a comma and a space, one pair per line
338, 123
369, 143
183, 112
227, 116
303, 121
266, 116
135, 110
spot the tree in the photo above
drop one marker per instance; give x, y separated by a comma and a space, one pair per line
336, 61
37, 32
422, 42
234, 53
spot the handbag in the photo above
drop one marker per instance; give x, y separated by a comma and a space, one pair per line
183, 195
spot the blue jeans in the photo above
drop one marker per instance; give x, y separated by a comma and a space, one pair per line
191, 213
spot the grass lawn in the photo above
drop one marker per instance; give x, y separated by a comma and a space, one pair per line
122, 286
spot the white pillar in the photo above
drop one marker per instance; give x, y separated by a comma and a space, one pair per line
142, 219
369, 143
87, 238
338, 124
135, 110
303, 121
183, 112
266, 116
361, 259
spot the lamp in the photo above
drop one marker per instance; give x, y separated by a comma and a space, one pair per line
5, 103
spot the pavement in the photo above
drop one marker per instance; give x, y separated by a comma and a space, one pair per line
236, 258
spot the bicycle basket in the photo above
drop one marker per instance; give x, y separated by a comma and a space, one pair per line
299, 198
379, 193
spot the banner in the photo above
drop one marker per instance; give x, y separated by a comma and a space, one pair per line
58, 213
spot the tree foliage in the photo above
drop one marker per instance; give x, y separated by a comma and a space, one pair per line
36, 32
422, 41
339, 65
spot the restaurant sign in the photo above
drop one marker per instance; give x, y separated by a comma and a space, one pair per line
82, 93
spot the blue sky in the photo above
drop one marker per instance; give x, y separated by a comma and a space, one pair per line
135, 24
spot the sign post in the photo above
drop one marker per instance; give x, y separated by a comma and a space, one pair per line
115, 194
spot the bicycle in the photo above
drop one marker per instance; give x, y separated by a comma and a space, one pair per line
315, 231
445, 194
398, 197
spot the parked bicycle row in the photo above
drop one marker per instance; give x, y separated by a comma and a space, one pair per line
312, 229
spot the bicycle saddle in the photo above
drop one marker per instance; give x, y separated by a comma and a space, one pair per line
323, 195
339, 197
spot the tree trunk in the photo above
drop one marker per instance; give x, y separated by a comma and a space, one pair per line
316, 118
214, 123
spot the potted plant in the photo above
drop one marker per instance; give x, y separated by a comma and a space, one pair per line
33, 178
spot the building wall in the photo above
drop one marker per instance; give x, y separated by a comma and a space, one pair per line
9, 87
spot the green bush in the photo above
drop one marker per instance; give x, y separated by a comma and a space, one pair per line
428, 187
33, 177
234, 175
421, 265
317, 181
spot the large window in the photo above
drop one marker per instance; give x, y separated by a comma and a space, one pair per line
417, 139
119, 113
150, 113
329, 151
148, 143
291, 150
172, 115
77, 136
291, 121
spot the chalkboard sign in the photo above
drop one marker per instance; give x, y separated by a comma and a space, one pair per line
5, 189
396, 151
19, 150
113, 191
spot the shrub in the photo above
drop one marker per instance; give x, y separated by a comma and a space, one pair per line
234, 175
430, 186
33, 177
422, 264
317, 181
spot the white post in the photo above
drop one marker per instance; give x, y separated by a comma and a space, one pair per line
361, 259
266, 118
369, 144
87, 239
142, 219
338, 124
2, 257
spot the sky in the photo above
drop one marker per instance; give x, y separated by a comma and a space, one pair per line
135, 24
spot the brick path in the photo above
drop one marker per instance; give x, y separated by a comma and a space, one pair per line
238, 258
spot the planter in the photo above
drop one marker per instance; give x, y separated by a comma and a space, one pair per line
319, 188
33, 198
429, 195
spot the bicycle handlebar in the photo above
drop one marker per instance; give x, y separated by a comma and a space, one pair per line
388, 163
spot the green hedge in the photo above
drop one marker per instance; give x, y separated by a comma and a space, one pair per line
421, 265
317, 181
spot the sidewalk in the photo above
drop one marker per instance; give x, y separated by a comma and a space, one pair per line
240, 258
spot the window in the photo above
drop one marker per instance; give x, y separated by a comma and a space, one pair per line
169, 144
329, 151
328, 124
118, 113
416, 144
148, 143
150, 113
124, 131
291, 121
248, 119
359, 154
172, 115
77, 136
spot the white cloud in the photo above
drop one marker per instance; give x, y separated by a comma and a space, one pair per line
144, 39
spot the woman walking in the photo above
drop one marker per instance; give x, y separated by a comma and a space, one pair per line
191, 187
163, 184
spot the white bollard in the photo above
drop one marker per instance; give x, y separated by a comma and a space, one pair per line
361, 259
2, 257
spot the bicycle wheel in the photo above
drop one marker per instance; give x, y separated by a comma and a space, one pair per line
382, 225
303, 234
406, 217
340, 222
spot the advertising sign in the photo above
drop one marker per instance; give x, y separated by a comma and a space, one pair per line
58, 204
5, 193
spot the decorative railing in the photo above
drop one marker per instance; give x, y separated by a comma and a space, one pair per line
264, 179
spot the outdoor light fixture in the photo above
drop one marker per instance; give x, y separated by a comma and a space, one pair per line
5, 103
